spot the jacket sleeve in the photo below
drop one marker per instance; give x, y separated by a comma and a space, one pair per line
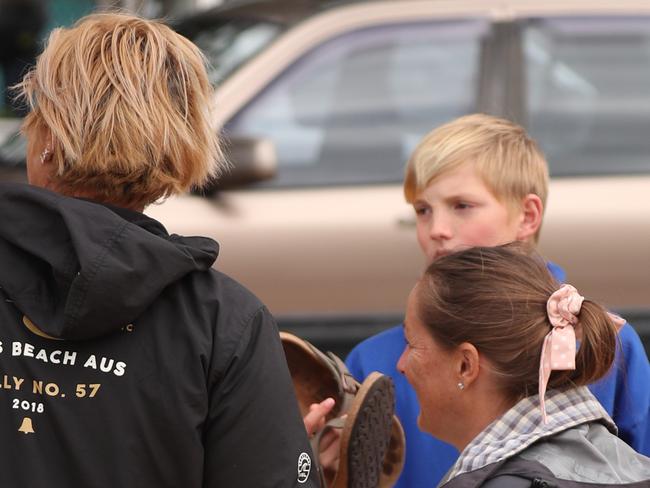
625, 391
254, 435
632, 410
377, 353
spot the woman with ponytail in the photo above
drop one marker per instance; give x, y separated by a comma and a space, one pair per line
499, 354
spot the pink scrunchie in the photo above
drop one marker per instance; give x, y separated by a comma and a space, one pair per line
559, 347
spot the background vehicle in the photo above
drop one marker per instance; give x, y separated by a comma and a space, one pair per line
321, 104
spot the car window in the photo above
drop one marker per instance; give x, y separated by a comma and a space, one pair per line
588, 92
229, 43
352, 109
13, 147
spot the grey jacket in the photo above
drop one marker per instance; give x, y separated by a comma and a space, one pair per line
585, 454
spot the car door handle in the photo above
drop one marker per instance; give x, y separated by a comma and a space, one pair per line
406, 222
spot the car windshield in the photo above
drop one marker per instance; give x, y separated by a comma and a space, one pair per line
229, 43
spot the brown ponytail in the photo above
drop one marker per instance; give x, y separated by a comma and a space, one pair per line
597, 349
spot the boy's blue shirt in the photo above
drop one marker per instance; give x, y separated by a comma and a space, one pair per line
624, 392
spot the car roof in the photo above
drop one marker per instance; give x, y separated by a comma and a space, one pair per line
285, 12
288, 12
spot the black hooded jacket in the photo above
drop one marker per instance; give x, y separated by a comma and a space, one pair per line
126, 361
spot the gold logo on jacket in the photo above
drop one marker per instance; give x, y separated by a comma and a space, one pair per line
26, 427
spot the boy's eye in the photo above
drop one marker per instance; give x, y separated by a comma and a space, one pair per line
421, 210
462, 206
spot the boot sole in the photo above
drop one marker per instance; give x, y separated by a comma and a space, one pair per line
366, 435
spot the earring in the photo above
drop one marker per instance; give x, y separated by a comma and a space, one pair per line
461, 385
44, 155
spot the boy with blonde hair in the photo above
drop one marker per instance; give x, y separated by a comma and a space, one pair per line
482, 181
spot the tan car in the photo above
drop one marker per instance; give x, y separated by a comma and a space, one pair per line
331, 101
322, 105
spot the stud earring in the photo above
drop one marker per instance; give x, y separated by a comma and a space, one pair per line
44, 155
461, 385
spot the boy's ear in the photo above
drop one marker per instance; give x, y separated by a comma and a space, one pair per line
532, 212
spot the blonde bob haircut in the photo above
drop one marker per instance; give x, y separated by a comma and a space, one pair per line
504, 155
128, 106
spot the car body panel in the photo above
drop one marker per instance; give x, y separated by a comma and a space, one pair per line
351, 251
592, 228
323, 250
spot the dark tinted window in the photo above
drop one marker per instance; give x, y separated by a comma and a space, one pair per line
588, 89
353, 109
229, 43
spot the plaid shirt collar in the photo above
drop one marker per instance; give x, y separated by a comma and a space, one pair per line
522, 425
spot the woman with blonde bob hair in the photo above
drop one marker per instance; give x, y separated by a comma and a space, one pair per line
132, 362
115, 127
491, 353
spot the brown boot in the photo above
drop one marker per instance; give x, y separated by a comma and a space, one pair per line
372, 440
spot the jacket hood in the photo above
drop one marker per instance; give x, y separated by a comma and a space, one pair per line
79, 269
